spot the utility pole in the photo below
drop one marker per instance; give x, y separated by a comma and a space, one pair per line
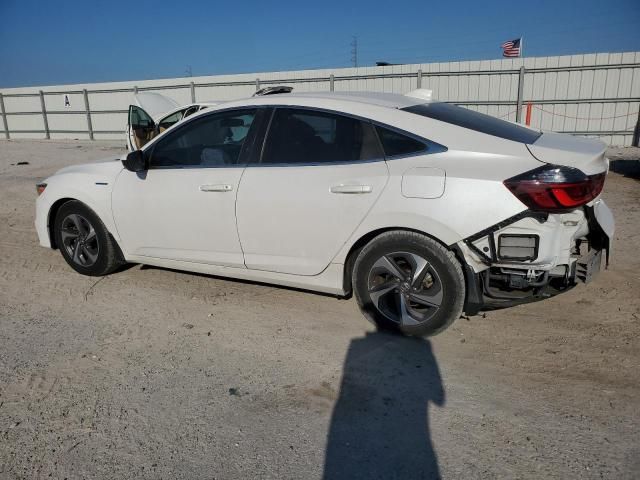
354, 51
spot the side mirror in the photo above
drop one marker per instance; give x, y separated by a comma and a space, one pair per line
135, 161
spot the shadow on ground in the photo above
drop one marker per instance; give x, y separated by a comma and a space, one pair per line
627, 167
380, 424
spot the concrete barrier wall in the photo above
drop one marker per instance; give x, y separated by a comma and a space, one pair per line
592, 94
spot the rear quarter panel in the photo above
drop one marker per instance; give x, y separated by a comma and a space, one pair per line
474, 197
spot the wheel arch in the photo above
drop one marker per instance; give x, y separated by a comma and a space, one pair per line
51, 218
367, 238
53, 211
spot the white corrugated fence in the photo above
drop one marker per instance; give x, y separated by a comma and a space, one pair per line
592, 94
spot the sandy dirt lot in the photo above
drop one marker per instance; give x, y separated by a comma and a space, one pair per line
151, 373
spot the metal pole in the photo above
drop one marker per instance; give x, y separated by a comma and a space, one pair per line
44, 115
257, 84
635, 142
331, 79
520, 90
135, 89
419, 81
88, 112
193, 92
4, 118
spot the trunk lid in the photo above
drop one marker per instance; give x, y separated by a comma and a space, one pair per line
585, 154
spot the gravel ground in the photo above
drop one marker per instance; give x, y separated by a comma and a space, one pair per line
152, 373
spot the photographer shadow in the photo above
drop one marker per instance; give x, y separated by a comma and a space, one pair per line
380, 424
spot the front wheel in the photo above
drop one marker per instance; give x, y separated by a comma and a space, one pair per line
84, 241
408, 282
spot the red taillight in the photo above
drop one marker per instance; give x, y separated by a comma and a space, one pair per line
40, 188
553, 188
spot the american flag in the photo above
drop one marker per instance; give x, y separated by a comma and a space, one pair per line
511, 48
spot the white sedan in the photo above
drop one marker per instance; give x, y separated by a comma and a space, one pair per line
421, 209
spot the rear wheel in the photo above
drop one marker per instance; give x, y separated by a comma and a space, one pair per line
408, 282
84, 241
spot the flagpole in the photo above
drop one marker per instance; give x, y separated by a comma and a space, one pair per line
521, 46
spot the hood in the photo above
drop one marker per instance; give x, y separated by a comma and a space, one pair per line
105, 169
586, 154
155, 104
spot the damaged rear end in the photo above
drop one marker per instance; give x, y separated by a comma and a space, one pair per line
558, 241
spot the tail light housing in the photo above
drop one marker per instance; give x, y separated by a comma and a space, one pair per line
552, 188
40, 188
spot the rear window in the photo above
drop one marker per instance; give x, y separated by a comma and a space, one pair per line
463, 117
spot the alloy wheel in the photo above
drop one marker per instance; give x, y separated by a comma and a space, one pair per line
79, 240
405, 288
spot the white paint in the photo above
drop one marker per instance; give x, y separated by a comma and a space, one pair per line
290, 220
587, 154
155, 104
283, 224
423, 183
421, 93
167, 214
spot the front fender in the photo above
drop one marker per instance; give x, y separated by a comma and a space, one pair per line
93, 192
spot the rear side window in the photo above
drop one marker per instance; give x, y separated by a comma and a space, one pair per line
395, 143
463, 117
298, 136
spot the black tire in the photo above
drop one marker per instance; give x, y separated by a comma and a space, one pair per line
405, 281
84, 241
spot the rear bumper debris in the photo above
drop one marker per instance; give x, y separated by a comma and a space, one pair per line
550, 266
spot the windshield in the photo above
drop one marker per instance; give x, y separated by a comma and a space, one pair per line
463, 117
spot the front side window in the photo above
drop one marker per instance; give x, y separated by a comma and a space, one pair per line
298, 136
210, 141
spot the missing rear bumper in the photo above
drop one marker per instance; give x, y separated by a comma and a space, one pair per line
490, 254
498, 281
588, 266
494, 288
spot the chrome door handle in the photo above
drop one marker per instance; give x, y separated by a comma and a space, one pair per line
216, 188
351, 189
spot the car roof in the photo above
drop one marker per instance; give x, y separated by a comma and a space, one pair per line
389, 100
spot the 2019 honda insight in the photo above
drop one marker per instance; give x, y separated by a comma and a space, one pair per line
421, 209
